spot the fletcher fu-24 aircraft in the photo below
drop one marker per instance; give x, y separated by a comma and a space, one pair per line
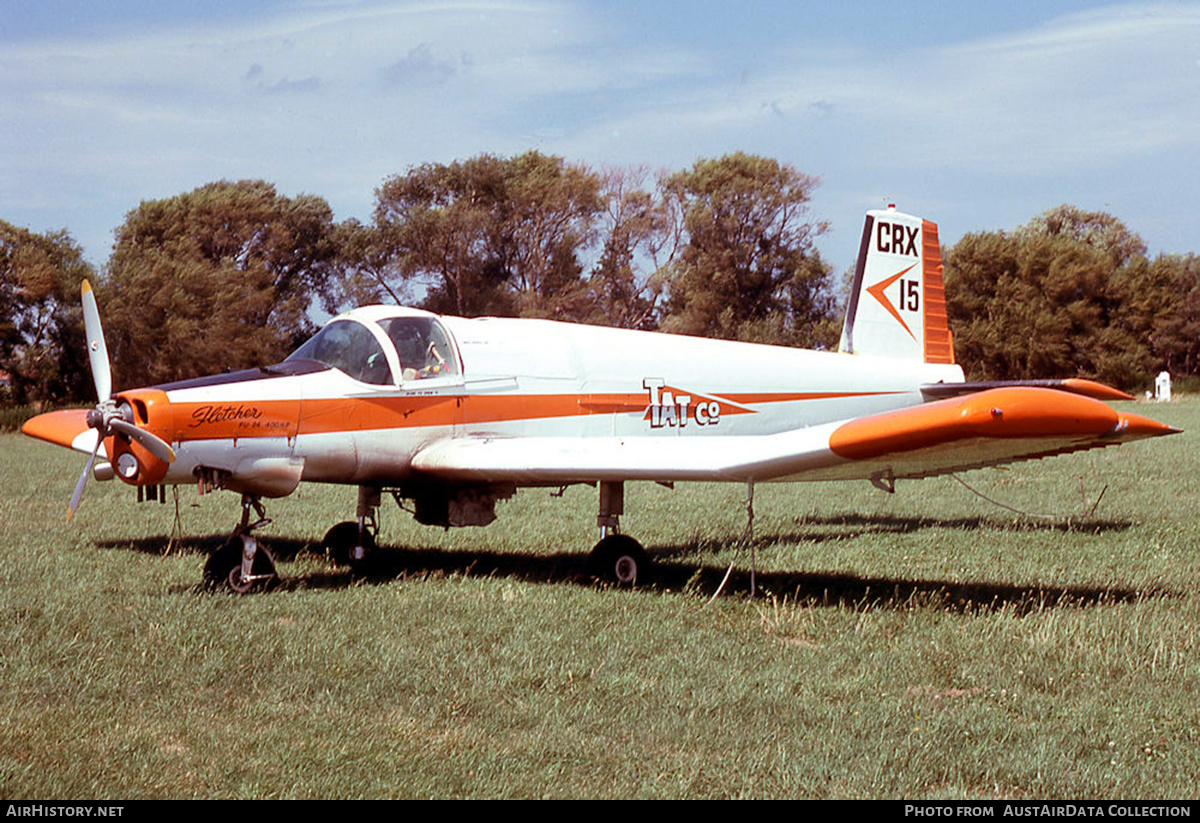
455, 414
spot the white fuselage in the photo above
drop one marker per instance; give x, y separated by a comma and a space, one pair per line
529, 378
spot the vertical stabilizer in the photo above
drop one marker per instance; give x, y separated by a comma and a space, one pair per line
897, 303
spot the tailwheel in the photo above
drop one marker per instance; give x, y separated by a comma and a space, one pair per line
620, 559
341, 541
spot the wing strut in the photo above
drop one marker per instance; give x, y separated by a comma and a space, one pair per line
747, 539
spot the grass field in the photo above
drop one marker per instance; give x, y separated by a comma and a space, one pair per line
925, 644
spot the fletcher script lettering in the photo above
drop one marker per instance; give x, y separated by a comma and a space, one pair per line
207, 415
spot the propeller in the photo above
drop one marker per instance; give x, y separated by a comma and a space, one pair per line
107, 417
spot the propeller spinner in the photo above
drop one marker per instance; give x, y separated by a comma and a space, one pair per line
107, 418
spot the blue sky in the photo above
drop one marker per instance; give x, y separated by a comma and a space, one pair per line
975, 115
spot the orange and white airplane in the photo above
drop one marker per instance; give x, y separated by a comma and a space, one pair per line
455, 414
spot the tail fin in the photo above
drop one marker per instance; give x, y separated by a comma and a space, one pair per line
897, 303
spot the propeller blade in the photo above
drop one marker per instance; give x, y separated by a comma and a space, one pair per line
106, 417
97, 350
77, 495
153, 443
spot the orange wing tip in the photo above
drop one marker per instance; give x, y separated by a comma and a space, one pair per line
1134, 425
1090, 388
58, 427
1008, 413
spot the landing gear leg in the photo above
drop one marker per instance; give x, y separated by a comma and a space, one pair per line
352, 542
364, 546
242, 564
617, 558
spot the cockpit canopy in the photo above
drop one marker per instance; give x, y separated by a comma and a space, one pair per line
383, 346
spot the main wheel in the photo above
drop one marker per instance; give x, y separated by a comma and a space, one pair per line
620, 559
224, 568
341, 541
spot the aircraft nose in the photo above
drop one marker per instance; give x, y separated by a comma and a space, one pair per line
141, 453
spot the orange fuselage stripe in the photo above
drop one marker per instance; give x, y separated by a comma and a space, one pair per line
286, 418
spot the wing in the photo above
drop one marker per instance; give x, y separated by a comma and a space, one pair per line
984, 429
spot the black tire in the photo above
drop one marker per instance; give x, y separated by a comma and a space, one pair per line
340, 541
224, 568
621, 560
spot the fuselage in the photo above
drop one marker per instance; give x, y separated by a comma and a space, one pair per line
409, 378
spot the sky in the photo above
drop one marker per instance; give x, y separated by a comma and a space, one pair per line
978, 116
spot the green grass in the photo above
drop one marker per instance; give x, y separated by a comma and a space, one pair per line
920, 645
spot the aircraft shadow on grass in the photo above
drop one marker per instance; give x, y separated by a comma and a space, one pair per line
680, 567
835, 528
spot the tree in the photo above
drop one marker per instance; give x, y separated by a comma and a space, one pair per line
491, 235
747, 269
638, 233
1167, 292
550, 219
1051, 303
220, 277
1097, 229
433, 227
41, 337
368, 270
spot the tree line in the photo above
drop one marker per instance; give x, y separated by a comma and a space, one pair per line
230, 275
1072, 293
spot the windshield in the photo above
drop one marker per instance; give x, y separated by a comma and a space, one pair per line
348, 346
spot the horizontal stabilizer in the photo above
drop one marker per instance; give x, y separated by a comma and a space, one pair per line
1074, 385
